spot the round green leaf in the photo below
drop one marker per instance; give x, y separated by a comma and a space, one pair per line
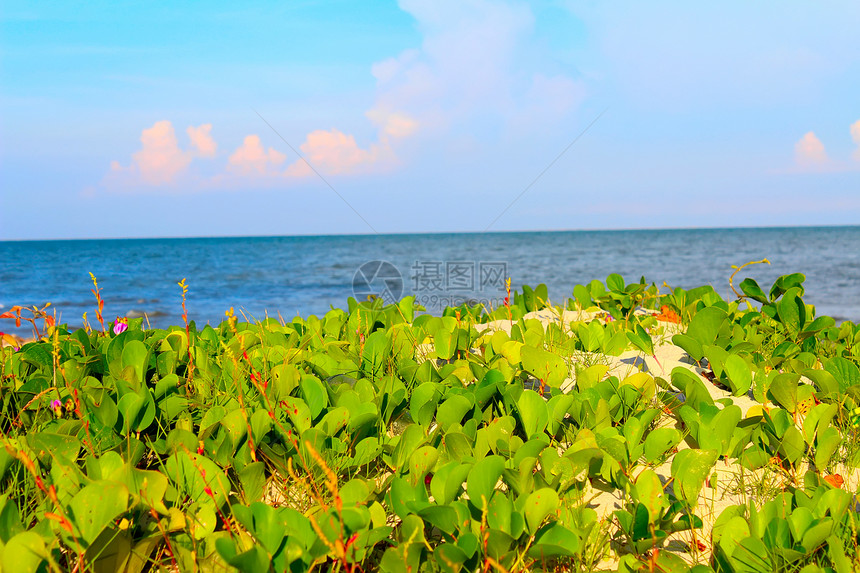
482, 480
539, 504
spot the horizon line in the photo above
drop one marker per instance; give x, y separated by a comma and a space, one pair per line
412, 233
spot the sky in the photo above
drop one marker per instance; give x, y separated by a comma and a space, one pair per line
140, 119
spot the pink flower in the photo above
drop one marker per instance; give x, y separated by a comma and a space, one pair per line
120, 326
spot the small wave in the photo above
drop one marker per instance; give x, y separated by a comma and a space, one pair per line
141, 313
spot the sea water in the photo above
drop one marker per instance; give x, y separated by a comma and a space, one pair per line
286, 276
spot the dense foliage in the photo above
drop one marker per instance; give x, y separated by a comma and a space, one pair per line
375, 438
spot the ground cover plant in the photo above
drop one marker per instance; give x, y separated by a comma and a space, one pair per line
630, 428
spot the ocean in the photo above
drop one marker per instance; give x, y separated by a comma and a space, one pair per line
286, 276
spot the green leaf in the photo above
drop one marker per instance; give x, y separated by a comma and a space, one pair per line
298, 412
817, 420
539, 504
615, 282
447, 481
268, 525
138, 410
784, 390
750, 288
826, 445
824, 381
377, 348
533, 413
314, 394
499, 513
406, 556
25, 553
191, 474
96, 506
366, 450
253, 560
411, 438
422, 403
449, 557
819, 324
691, 385
739, 374
136, 354
660, 441
452, 410
689, 469
641, 340
236, 426
847, 373
555, 540
786, 282
791, 310
706, 324
753, 554
442, 516
37, 355
445, 342
690, 345
146, 486
10, 520
422, 461
482, 480
649, 492
754, 458
546, 366
253, 481
792, 446
49, 445
334, 420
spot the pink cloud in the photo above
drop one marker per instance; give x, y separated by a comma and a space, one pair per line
810, 155
809, 152
336, 153
392, 124
201, 140
855, 135
251, 159
160, 161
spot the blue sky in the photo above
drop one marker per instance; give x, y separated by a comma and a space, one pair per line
133, 120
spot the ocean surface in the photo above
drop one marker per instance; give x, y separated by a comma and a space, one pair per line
307, 275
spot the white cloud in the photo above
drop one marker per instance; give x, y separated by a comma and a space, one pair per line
470, 69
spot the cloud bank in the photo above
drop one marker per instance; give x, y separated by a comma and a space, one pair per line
473, 72
810, 154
